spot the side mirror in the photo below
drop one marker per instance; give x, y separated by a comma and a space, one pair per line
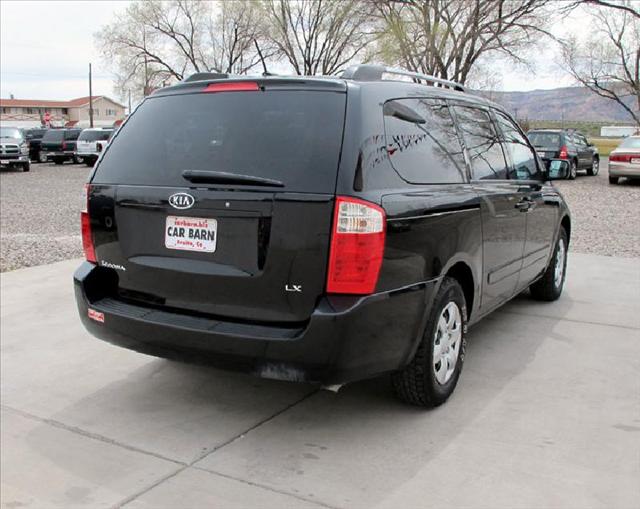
558, 169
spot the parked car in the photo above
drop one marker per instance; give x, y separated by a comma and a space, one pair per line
317, 229
91, 143
567, 144
34, 137
624, 161
14, 149
59, 145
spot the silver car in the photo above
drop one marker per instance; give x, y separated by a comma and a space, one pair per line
624, 161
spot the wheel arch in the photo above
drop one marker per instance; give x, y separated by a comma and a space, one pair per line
463, 274
566, 224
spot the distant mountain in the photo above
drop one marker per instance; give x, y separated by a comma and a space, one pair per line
575, 103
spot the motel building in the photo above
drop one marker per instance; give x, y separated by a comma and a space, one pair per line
74, 113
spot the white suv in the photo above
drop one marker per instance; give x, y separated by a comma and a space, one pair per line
91, 143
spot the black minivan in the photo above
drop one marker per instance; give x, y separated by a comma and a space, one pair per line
317, 229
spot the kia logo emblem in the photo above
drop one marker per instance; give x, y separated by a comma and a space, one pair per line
181, 201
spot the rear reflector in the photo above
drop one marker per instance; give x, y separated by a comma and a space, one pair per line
238, 86
357, 246
85, 221
95, 315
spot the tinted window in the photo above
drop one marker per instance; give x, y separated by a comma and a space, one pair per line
53, 135
482, 142
523, 157
35, 133
89, 135
422, 141
544, 139
290, 136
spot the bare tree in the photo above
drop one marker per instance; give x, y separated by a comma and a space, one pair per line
319, 36
155, 41
608, 62
447, 38
628, 6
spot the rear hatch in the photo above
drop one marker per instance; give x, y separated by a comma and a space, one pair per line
547, 144
221, 203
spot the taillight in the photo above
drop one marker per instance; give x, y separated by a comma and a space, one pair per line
238, 86
564, 153
621, 158
85, 220
99, 147
64, 145
357, 246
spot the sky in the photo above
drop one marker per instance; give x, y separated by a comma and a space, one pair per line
46, 47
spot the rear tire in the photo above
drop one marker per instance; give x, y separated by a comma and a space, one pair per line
422, 382
42, 157
613, 180
573, 170
549, 286
595, 168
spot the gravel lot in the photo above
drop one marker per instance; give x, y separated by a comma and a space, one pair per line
40, 214
40, 221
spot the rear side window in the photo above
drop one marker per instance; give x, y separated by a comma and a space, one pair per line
482, 142
422, 141
94, 135
291, 136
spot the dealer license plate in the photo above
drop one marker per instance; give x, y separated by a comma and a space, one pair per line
191, 233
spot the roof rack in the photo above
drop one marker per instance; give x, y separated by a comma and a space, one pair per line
368, 72
203, 76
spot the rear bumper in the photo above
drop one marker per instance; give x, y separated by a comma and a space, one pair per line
624, 170
346, 338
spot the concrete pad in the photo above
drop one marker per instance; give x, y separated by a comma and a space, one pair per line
599, 289
53, 368
197, 488
547, 413
46, 466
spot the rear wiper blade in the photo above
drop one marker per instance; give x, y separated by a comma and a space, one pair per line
222, 177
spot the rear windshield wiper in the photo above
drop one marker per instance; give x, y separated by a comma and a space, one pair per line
222, 177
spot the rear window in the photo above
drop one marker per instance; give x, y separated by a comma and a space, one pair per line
71, 135
54, 135
290, 136
630, 143
544, 139
94, 135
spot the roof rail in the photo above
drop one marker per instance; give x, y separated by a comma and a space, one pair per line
203, 76
368, 72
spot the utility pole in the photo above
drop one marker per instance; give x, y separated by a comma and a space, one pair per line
129, 101
90, 99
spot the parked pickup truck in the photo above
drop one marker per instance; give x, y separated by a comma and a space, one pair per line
59, 145
91, 143
14, 149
